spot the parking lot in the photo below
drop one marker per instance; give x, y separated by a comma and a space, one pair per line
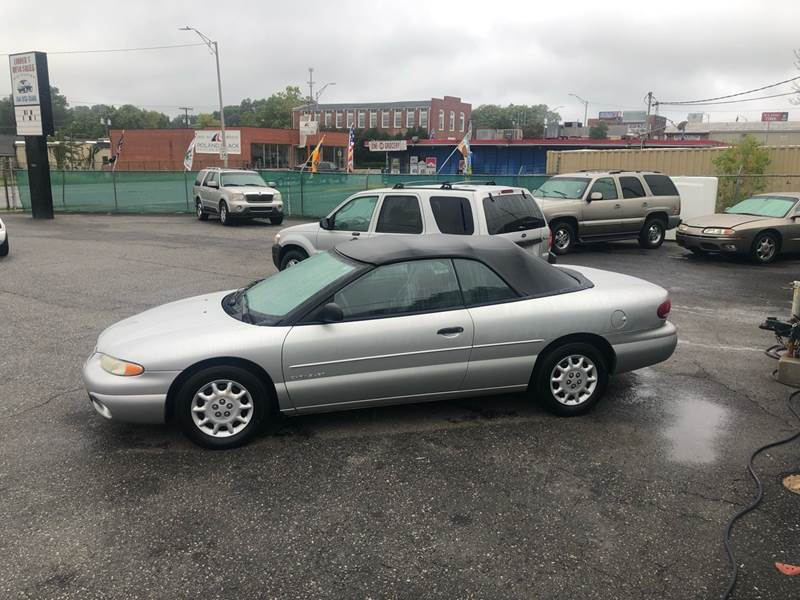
483, 498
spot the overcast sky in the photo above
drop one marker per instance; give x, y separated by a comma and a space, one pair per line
611, 53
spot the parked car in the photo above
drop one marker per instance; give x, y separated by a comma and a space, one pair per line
456, 209
762, 227
3, 239
381, 321
235, 195
609, 205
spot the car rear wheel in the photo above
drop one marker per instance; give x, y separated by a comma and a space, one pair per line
571, 379
224, 215
765, 248
222, 407
276, 220
563, 237
201, 214
292, 257
652, 234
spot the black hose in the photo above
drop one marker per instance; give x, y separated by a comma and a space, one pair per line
734, 569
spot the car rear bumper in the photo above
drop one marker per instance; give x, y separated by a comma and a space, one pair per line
707, 243
139, 399
646, 348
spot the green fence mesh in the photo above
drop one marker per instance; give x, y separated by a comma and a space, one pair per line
304, 194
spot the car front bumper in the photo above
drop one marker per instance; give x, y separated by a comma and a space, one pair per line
255, 209
139, 399
712, 243
645, 348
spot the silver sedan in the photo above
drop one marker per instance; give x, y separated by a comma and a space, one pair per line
377, 322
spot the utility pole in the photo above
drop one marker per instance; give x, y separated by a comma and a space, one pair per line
649, 104
585, 107
311, 87
186, 110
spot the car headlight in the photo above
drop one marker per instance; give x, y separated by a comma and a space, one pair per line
276, 239
718, 231
237, 196
277, 198
119, 367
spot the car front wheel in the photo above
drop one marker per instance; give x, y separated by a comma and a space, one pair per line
224, 216
563, 237
276, 220
201, 214
292, 257
222, 407
652, 234
571, 379
765, 248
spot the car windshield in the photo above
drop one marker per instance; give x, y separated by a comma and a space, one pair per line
571, 188
763, 206
506, 213
278, 295
236, 179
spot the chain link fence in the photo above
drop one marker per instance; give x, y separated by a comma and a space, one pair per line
304, 194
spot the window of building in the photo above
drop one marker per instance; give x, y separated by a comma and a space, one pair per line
410, 118
399, 214
480, 284
385, 119
461, 122
423, 118
349, 119
398, 119
441, 120
452, 120
631, 187
605, 185
453, 215
401, 288
327, 118
338, 120
373, 118
362, 118
270, 156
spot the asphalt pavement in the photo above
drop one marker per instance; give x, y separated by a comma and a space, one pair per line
482, 498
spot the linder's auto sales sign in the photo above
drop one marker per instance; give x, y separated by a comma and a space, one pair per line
24, 82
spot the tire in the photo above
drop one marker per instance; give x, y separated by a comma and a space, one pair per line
575, 361
292, 257
253, 407
276, 220
201, 214
652, 234
224, 215
765, 248
4, 247
698, 251
563, 237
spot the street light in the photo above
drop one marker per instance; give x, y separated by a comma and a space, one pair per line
585, 107
546, 120
212, 45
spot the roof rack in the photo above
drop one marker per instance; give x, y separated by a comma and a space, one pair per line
475, 182
445, 185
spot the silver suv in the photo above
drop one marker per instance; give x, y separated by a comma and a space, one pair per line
609, 205
234, 194
451, 208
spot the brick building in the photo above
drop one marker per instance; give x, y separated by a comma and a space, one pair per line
248, 147
443, 118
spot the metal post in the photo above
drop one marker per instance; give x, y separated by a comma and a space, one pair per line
186, 189
221, 110
5, 181
63, 189
114, 183
301, 193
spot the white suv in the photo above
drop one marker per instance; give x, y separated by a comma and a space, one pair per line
235, 195
450, 208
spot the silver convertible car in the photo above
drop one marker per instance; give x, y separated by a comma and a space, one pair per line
382, 321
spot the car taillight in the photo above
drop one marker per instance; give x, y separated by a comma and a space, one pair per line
664, 308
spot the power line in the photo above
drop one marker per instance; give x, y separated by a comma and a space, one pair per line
736, 94
728, 101
117, 49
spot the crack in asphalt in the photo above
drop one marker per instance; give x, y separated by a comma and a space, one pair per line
45, 403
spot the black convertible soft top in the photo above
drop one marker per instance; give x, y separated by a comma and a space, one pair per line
528, 275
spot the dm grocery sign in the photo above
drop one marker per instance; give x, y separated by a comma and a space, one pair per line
388, 145
209, 141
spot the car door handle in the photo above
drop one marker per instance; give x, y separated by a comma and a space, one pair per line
450, 331
617, 206
644, 203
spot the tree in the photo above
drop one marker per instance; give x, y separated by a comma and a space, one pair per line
529, 118
599, 131
744, 158
276, 111
206, 120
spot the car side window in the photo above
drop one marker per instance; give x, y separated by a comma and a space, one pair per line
401, 288
481, 285
212, 177
355, 215
631, 187
199, 179
605, 185
399, 214
661, 185
453, 215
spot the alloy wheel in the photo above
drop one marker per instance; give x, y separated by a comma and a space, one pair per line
765, 248
562, 238
222, 408
199, 210
573, 380
223, 213
654, 233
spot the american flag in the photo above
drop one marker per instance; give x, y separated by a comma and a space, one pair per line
350, 147
119, 150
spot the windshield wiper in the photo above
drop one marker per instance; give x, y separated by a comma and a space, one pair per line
559, 192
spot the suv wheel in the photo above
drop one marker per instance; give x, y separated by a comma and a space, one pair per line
765, 248
570, 379
201, 214
224, 217
652, 234
563, 237
292, 257
276, 220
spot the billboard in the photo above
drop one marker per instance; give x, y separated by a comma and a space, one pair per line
634, 116
210, 141
610, 115
695, 117
774, 116
30, 93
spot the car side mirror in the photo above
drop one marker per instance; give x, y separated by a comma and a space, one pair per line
595, 196
331, 313
326, 223
213, 184
271, 184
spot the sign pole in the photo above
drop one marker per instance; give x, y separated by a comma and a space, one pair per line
114, 183
186, 190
